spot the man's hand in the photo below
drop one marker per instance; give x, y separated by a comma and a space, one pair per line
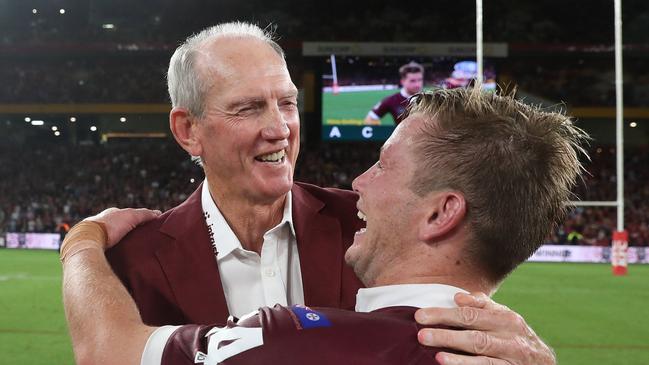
494, 333
118, 222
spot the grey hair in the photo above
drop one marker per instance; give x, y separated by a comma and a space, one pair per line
187, 87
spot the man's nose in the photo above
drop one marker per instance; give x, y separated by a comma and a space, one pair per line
276, 126
357, 184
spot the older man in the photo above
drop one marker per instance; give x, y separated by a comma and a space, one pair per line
249, 236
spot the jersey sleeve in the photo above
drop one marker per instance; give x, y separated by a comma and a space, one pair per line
380, 109
294, 336
155, 345
200, 344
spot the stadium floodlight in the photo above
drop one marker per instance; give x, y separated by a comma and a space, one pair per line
28, 119
38, 122
57, 133
73, 119
61, 11
55, 128
108, 26
93, 128
122, 119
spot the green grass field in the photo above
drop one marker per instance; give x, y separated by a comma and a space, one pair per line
352, 107
587, 315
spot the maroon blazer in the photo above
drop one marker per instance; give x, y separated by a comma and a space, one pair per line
169, 266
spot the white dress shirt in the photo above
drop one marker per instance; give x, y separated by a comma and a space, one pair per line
249, 280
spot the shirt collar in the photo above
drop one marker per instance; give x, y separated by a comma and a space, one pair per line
222, 236
406, 295
404, 93
287, 217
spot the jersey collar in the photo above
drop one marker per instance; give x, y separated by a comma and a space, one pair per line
406, 295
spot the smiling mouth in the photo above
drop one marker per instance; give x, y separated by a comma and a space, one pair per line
362, 217
274, 157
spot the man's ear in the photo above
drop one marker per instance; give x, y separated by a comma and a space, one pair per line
445, 212
183, 127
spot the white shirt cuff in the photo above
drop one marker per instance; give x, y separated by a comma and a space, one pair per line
373, 115
155, 345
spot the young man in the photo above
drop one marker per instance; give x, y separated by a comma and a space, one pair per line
412, 82
466, 189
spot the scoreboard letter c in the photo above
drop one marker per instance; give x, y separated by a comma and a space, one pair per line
367, 132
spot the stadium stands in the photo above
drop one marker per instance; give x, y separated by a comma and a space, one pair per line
102, 54
142, 80
154, 21
52, 185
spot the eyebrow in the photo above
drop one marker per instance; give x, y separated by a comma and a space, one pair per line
243, 102
290, 94
293, 93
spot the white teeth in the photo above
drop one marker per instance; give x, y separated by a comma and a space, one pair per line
273, 157
362, 216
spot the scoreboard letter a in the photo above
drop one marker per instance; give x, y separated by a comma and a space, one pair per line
335, 132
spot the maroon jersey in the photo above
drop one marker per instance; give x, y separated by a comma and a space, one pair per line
301, 335
394, 104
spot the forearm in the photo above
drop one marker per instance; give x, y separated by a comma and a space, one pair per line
104, 323
370, 119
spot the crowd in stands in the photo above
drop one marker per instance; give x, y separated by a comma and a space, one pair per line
49, 57
48, 188
580, 81
594, 225
46, 57
79, 80
45, 187
142, 79
431, 21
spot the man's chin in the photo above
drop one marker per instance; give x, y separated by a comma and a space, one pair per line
353, 256
349, 256
354, 260
273, 187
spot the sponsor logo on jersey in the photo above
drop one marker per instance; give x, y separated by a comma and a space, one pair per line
309, 318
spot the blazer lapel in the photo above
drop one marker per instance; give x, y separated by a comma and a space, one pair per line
189, 264
321, 255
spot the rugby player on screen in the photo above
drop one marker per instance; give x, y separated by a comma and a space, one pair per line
466, 189
412, 82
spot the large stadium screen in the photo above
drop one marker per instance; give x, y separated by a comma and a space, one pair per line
353, 86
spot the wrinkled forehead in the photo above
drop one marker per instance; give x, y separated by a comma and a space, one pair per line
243, 65
229, 56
